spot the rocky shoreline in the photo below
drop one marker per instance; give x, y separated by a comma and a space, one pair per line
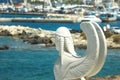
112, 77
47, 37
115, 77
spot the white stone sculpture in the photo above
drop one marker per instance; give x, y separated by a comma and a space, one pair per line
69, 65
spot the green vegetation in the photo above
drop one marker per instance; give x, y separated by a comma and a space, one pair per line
116, 38
73, 1
108, 34
83, 35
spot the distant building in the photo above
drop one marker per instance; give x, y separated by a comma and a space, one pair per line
92, 1
86, 1
39, 0
97, 2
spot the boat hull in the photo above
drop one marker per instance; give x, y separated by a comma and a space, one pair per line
108, 17
109, 20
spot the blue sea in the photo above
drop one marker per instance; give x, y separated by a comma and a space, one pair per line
34, 62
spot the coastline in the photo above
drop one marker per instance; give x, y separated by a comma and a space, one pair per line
53, 18
42, 20
47, 37
113, 77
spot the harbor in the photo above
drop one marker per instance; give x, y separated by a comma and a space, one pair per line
27, 35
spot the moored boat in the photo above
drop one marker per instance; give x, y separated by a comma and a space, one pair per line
89, 18
118, 17
108, 16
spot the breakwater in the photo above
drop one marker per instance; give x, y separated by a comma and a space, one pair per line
43, 20
47, 37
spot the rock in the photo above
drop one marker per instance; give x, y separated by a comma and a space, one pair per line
4, 33
39, 40
46, 40
75, 31
81, 46
115, 77
4, 47
33, 41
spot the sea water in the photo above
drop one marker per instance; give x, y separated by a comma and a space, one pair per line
33, 62
7, 15
54, 26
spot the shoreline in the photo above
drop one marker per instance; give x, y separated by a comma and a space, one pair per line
29, 13
47, 37
111, 77
42, 20
47, 17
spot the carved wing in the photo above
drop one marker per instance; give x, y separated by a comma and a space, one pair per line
102, 50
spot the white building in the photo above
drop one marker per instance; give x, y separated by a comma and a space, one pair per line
97, 2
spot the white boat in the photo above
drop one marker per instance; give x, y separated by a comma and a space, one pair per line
108, 16
118, 14
110, 13
118, 17
89, 18
115, 30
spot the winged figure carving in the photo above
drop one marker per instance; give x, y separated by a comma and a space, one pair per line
70, 65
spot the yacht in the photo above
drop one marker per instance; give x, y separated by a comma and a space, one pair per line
118, 17
110, 12
108, 16
89, 18
118, 14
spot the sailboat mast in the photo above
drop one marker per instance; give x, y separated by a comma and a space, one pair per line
61, 1
50, 3
25, 2
84, 2
97, 2
11, 2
